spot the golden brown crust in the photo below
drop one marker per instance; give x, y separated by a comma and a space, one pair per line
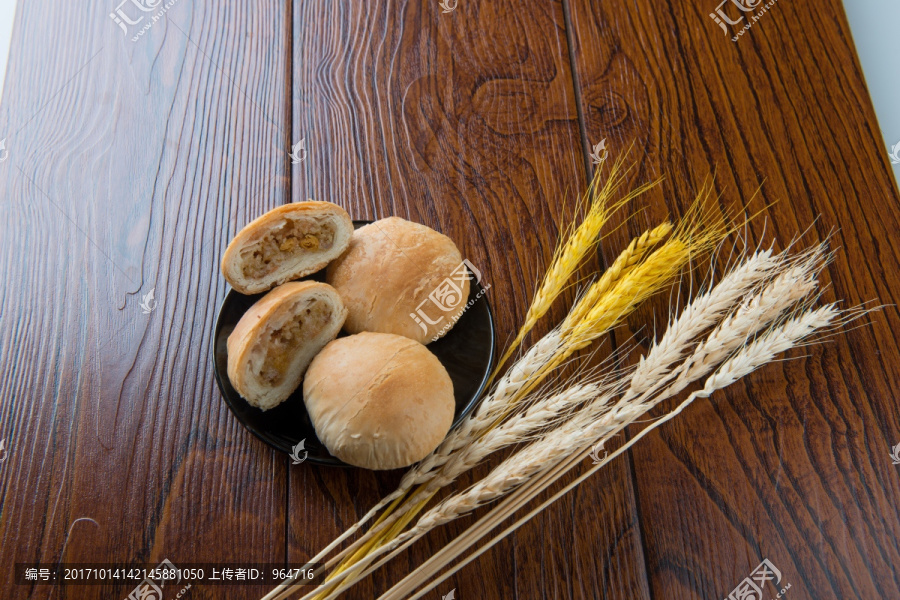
238, 255
387, 275
379, 401
249, 339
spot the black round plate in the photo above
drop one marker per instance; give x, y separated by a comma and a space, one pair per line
467, 352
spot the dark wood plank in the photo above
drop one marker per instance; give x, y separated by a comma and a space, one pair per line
791, 465
464, 121
130, 166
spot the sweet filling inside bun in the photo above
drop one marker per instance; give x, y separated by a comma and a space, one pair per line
280, 244
276, 339
279, 344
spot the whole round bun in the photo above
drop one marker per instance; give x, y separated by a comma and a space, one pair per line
389, 271
379, 401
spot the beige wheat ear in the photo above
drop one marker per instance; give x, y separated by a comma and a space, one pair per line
782, 281
624, 289
791, 332
554, 419
756, 292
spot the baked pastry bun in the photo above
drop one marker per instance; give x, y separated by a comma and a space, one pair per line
403, 278
286, 243
378, 400
276, 339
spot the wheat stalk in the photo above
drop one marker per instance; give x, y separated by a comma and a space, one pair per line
567, 257
785, 290
591, 317
463, 449
397, 504
635, 276
703, 312
644, 279
697, 233
756, 354
601, 314
785, 281
633, 255
569, 254
518, 429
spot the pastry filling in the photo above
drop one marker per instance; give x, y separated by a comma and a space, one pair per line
277, 246
279, 346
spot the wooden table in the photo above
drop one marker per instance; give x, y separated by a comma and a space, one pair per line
131, 165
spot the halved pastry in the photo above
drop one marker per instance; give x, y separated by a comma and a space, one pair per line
274, 342
286, 243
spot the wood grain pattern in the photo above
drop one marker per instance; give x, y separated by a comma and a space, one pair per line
413, 112
131, 165
792, 464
